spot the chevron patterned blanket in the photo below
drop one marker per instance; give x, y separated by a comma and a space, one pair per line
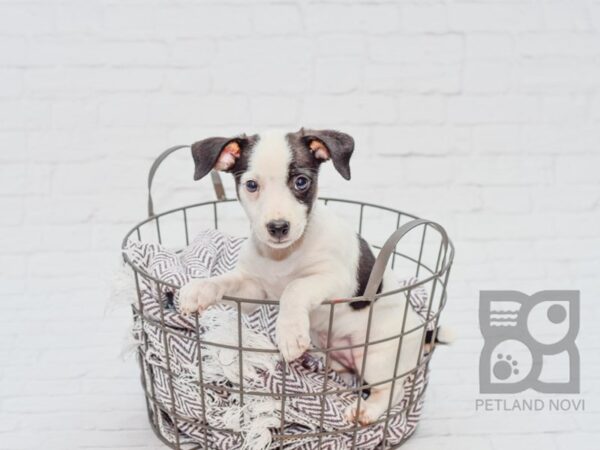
203, 390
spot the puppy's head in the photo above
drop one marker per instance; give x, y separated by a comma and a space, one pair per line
276, 175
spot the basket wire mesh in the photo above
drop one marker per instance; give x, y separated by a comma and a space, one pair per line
422, 238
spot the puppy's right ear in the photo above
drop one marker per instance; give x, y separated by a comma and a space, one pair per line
217, 153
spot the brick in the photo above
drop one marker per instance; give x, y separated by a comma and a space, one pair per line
263, 71
570, 16
417, 48
337, 75
132, 53
17, 239
24, 114
504, 170
205, 21
80, 178
72, 114
469, 16
426, 171
276, 19
13, 178
12, 210
594, 14
36, 19
371, 18
350, 109
543, 76
487, 77
523, 442
263, 50
82, 18
64, 238
191, 52
210, 109
493, 109
124, 110
197, 81
568, 45
548, 139
340, 45
14, 145
578, 170
69, 210
419, 140
11, 83
130, 21
565, 198
81, 51
505, 199
416, 77
134, 79
475, 226
13, 51
565, 109
424, 18
421, 109
490, 139
62, 145
489, 46
274, 110
70, 82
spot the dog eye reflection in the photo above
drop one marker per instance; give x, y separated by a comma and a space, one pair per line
251, 186
301, 183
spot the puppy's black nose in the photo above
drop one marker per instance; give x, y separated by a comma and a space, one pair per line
278, 228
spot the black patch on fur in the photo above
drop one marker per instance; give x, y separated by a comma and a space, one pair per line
429, 337
339, 145
365, 393
366, 260
207, 151
303, 163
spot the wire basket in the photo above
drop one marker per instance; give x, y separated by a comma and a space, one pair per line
416, 248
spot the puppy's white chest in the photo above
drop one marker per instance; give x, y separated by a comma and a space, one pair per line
274, 277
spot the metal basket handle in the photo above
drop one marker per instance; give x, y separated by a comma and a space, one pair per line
216, 178
388, 248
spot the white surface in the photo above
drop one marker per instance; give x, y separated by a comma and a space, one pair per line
484, 116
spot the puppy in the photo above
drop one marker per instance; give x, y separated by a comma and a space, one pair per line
302, 254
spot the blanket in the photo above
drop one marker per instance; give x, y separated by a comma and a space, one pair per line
253, 421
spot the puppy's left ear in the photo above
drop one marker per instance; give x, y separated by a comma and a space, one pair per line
331, 144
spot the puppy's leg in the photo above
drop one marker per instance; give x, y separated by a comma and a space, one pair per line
197, 295
299, 298
380, 367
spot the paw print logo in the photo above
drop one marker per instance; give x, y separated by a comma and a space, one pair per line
529, 342
505, 367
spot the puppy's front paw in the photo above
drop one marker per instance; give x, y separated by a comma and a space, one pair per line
197, 295
293, 336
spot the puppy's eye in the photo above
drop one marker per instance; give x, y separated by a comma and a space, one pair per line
301, 183
251, 186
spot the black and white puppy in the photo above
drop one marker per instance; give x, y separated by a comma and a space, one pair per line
302, 254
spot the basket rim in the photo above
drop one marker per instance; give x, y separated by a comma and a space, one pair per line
445, 267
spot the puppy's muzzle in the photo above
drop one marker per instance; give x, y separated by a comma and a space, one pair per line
278, 229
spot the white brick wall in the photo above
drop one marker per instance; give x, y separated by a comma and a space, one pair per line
482, 115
